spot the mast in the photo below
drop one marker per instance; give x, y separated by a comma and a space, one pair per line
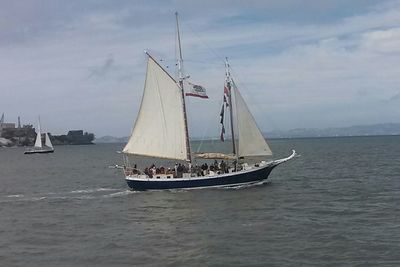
228, 84
181, 78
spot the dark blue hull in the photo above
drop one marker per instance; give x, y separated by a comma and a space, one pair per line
232, 179
38, 152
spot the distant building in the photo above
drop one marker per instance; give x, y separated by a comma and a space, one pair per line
10, 132
75, 133
78, 137
5, 125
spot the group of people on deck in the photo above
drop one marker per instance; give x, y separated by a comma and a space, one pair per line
216, 167
179, 169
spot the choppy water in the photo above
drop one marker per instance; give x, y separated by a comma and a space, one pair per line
336, 205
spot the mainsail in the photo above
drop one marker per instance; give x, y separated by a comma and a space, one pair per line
38, 141
251, 142
159, 130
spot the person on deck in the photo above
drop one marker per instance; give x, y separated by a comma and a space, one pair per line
204, 167
223, 167
179, 170
215, 165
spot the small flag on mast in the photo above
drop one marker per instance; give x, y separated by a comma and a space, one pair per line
196, 91
225, 105
222, 134
226, 90
221, 114
226, 95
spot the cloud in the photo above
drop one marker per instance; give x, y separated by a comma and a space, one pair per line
394, 98
102, 70
382, 41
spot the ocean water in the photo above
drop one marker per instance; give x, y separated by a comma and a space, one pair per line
336, 205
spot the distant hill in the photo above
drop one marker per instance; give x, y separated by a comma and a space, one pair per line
356, 130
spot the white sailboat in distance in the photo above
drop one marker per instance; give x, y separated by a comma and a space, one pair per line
39, 148
161, 131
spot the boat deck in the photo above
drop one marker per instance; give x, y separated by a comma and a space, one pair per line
168, 176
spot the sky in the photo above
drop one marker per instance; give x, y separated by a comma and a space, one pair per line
298, 63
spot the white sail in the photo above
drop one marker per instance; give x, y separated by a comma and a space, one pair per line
251, 142
48, 141
159, 130
38, 141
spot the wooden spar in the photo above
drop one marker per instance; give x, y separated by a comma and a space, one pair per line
228, 84
181, 78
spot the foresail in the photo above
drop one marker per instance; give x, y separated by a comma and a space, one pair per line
159, 130
251, 142
47, 141
38, 141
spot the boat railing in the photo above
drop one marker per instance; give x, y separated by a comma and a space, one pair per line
129, 171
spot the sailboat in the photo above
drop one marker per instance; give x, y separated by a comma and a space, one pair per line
161, 131
39, 148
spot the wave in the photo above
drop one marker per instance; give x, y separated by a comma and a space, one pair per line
94, 190
121, 193
15, 196
243, 186
70, 195
23, 199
